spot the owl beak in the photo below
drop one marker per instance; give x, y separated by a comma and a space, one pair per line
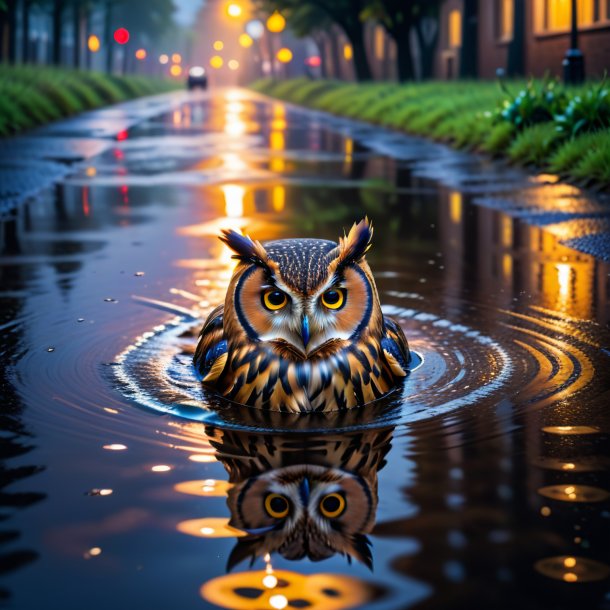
304, 491
305, 330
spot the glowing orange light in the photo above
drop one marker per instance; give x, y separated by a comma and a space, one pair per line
175, 70
115, 447
284, 55
161, 468
218, 45
348, 52
93, 43
276, 23
141, 54
245, 40
216, 62
176, 58
234, 10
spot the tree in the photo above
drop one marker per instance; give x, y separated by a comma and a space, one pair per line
8, 30
344, 13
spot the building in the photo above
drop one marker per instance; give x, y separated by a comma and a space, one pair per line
535, 32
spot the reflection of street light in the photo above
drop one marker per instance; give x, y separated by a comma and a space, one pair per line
245, 41
284, 55
93, 43
276, 23
234, 10
233, 64
216, 62
163, 59
141, 54
177, 58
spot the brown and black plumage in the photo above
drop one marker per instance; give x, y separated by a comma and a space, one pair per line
301, 328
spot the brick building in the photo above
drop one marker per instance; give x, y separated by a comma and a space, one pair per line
538, 31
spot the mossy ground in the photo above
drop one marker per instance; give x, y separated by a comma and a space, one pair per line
33, 95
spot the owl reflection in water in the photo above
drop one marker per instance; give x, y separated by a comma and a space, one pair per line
307, 496
301, 328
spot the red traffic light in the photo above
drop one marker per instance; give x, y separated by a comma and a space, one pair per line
121, 36
314, 62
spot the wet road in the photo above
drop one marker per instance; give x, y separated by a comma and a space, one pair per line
485, 484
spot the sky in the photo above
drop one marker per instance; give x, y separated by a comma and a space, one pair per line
187, 9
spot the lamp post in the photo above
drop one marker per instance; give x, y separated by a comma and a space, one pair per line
574, 61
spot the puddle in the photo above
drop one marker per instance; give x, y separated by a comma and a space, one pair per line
483, 481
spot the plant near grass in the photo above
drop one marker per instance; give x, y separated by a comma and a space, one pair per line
537, 102
589, 111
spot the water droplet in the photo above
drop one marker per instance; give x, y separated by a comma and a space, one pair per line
110, 300
139, 273
80, 319
50, 349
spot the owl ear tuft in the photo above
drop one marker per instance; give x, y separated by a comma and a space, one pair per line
246, 250
353, 246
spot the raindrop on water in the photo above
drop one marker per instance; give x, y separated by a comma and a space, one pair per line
50, 349
139, 273
110, 300
80, 320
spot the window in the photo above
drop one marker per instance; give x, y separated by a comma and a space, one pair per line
556, 15
379, 42
455, 29
505, 10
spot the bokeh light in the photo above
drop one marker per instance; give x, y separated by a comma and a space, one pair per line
233, 64
93, 43
276, 23
164, 59
255, 29
141, 54
216, 62
177, 58
121, 36
175, 70
234, 10
284, 55
245, 40
218, 45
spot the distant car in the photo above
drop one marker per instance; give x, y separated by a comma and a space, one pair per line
197, 78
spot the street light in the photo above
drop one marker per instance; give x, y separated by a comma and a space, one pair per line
216, 62
121, 36
93, 43
218, 45
234, 10
141, 54
284, 55
175, 70
574, 62
245, 41
233, 64
163, 59
176, 58
255, 29
276, 23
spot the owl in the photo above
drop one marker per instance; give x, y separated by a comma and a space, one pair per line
302, 496
301, 328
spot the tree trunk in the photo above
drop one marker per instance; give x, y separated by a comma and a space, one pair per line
58, 13
76, 26
25, 31
404, 57
426, 30
361, 61
109, 41
8, 32
469, 54
516, 56
335, 56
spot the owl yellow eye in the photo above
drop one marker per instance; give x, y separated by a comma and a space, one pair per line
274, 299
334, 298
332, 505
277, 506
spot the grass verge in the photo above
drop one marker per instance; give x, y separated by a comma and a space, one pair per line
31, 95
462, 114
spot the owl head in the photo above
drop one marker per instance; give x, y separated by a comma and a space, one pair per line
302, 295
304, 511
